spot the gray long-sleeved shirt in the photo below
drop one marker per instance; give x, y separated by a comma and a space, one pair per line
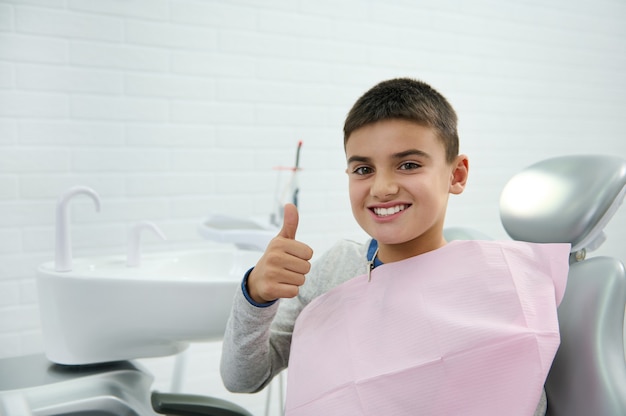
258, 339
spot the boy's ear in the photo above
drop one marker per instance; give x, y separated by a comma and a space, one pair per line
458, 178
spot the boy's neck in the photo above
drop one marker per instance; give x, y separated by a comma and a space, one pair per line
389, 253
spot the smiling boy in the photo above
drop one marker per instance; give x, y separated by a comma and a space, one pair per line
399, 182
401, 146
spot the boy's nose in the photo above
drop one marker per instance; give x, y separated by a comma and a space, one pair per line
383, 186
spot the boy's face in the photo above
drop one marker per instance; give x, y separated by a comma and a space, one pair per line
399, 184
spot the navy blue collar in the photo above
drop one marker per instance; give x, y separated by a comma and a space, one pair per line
371, 250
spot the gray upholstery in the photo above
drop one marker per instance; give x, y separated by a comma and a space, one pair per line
571, 199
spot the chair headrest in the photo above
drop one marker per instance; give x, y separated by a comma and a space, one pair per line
567, 199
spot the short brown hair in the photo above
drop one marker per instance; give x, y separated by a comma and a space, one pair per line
407, 99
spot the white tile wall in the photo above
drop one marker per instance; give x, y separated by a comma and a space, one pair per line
172, 109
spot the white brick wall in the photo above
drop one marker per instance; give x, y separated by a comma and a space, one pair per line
172, 109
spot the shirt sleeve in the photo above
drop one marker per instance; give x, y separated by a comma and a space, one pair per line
248, 363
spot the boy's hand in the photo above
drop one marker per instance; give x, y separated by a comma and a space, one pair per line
280, 271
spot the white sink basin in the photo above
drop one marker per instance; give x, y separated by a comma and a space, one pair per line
103, 311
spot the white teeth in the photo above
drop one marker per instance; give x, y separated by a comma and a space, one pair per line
383, 212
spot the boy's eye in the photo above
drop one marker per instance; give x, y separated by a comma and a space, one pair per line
362, 170
409, 166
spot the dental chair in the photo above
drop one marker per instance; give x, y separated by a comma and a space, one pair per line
571, 199
567, 199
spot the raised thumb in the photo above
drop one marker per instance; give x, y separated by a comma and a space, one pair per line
290, 222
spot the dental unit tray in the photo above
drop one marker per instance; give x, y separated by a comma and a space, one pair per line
246, 234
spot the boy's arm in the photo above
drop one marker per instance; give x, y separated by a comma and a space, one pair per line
257, 339
250, 356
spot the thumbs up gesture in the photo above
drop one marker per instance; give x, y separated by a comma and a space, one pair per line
280, 271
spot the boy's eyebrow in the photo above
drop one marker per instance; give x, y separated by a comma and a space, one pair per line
360, 159
399, 155
411, 152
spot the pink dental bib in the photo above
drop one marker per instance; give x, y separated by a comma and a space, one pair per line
468, 329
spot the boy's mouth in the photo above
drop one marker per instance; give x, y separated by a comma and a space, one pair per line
385, 212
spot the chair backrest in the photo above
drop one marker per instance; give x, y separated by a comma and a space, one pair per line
570, 199
588, 375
